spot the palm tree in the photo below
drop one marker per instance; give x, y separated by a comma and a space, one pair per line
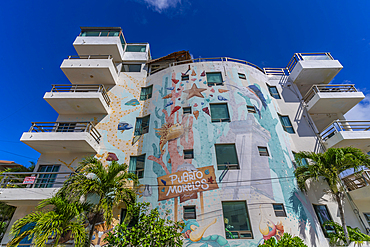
66, 221
329, 165
104, 187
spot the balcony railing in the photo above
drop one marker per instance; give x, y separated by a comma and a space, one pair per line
325, 88
82, 89
94, 57
307, 56
33, 179
66, 127
344, 125
275, 71
357, 180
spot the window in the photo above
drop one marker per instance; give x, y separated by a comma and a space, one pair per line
131, 68
146, 92
297, 162
46, 180
287, 125
142, 125
66, 127
132, 222
219, 113
226, 156
251, 109
186, 110
136, 48
185, 77
236, 219
367, 217
189, 154
137, 164
274, 92
189, 212
279, 210
242, 76
324, 216
263, 151
214, 79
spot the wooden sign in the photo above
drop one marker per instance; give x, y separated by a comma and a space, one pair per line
186, 184
29, 180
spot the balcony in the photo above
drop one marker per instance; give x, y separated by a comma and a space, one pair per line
306, 69
100, 41
92, 69
63, 137
358, 185
137, 52
343, 133
19, 188
78, 99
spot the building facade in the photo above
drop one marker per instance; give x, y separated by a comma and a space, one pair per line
211, 140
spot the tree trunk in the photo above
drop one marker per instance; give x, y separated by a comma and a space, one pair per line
92, 228
338, 197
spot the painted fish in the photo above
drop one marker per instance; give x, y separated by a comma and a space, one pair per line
200, 79
169, 132
175, 109
223, 90
194, 79
169, 103
212, 90
111, 157
221, 98
170, 88
186, 167
193, 73
132, 102
167, 96
124, 126
206, 110
175, 81
211, 95
195, 105
203, 73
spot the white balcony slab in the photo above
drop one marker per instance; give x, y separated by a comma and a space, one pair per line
357, 139
77, 102
90, 71
99, 46
61, 142
361, 194
25, 196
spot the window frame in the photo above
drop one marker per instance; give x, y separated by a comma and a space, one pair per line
188, 155
250, 110
194, 214
277, 211
46, 180
132, 45
139, 172
210, 84
229, 166
264, 153
146, 96
242, 76
325, 231
185, 76
188, 107
145, 129
286, 127
247, 222
273, 94
220, 120
367, 218
304, 161
130, 64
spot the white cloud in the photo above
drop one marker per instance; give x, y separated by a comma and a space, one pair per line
361, 111
160, 5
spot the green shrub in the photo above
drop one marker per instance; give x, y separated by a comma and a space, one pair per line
286, 241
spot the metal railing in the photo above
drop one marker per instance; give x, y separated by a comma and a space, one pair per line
307, 56
217, 59
83, 88
109, 57
66, 127
357, 180
33, 179
344, 125
326, 88
275, 71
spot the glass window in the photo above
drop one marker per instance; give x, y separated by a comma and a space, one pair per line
263, 151
214, 79
137, 164
367, 217
226, 156
236, 219
131, 68
185, 77
189, 154
142, 125
274, 92
66, 127
242, 76
25, 241
186, 110
46, 180
104, 33
287, 125
251, 109
146, 92
219, 113
323, 215
136, 48
90, 33
189, 212
114, 33
302, 162
279, 210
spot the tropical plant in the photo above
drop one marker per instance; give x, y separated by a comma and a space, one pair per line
329, 165
337, 237
286, 240
6, 213
64, 222
103, 187
149, 229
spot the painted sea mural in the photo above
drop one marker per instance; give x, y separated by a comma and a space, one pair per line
171, 180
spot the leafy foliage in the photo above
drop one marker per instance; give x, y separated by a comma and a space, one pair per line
338, 238
150, 229
286, 241
6, 213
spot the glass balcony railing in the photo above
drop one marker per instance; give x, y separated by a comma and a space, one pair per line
90, 32
325, 88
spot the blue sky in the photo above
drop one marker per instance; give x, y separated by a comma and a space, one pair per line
37, 35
